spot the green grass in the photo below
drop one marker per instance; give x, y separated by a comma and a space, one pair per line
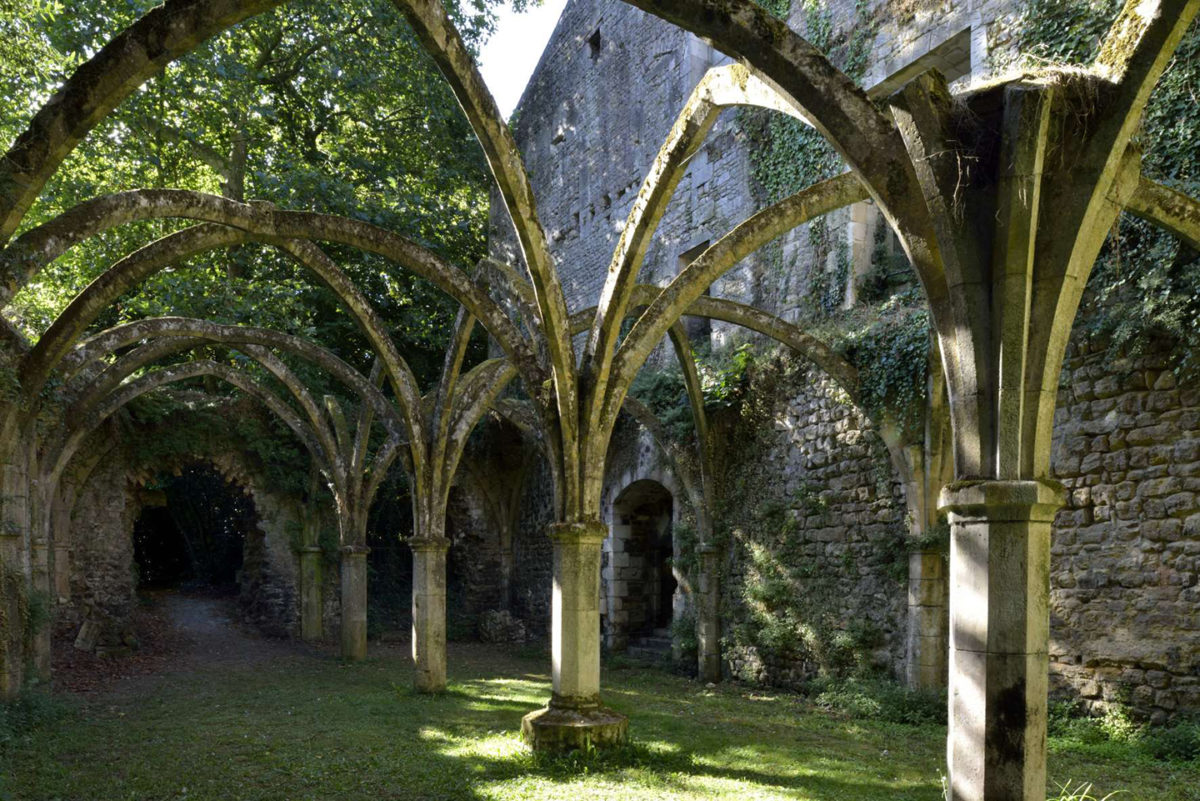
308, 727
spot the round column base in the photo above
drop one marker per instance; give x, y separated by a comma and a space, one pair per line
559, 729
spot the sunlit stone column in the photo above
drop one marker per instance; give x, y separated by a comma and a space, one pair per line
708, 620
574, 717
999, 637
354, 601
928, 633
312, 605
429, 612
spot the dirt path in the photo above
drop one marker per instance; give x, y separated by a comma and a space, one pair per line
177, 633
213, 635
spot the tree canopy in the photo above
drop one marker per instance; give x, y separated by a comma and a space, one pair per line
325, 106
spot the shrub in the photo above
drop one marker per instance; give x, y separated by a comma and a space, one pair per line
879, 699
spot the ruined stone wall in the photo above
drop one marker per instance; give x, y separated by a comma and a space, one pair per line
531, 550
102, 569
608, 90
102, 575
815, 568
1125, 597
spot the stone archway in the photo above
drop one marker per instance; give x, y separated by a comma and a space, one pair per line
196, 528
640, 586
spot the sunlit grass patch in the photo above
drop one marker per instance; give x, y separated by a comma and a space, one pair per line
312, 728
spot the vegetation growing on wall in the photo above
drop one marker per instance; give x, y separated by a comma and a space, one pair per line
785, 608
1146, 285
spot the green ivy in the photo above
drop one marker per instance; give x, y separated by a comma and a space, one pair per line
723, 377
891, 352
1145, 287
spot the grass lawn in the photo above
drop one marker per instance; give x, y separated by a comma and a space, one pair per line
305, 726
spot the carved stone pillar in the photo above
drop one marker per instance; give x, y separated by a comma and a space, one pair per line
354, 602
928, 623
574, 717
429, 612
708, 616
999, 637
40, 562
312, 604
62, 574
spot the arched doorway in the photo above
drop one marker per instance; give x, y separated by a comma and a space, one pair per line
639, 575
195, 531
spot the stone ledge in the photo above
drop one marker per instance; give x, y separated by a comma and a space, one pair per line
560, 729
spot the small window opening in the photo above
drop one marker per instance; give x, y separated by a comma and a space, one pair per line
594, 43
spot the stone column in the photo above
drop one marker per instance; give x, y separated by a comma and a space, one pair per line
14, 578
62, 574
12, 585
928, 623
574, 717
999, 637
708, 616
429, 612
312, 604
354, 601
41, 637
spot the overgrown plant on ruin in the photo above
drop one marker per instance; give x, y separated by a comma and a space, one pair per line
1000, 197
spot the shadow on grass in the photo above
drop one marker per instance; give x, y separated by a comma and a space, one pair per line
309, 729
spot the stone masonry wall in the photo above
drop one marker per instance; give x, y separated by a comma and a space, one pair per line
816, 560
1125, 598
103, 574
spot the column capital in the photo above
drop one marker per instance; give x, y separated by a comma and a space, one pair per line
587, 532
355, 550
1003, 501
428, 544
303, 549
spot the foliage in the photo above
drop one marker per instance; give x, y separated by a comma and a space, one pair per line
320, 727
723, 380
23, 716
1068, 791
683, 638
1145, 285
890, 347
313, 106
1115, 732
878, 699
786, 154
166, 431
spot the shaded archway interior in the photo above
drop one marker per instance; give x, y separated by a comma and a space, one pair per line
641, 581
196, 531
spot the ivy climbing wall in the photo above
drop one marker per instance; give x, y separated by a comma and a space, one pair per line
810, 512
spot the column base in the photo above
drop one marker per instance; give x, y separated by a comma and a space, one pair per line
558, 729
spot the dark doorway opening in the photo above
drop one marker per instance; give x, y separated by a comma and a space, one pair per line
643, 579
192, 532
